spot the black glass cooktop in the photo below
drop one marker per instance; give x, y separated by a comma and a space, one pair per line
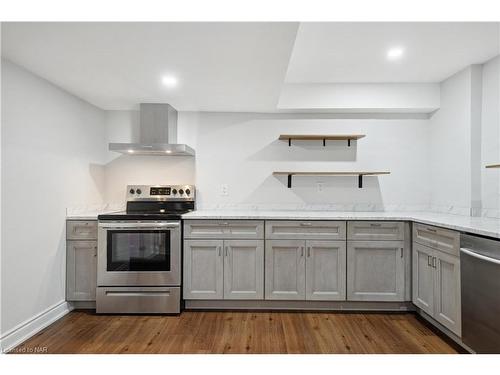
140, 216
147, 210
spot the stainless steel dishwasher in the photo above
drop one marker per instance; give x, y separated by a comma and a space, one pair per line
480, 280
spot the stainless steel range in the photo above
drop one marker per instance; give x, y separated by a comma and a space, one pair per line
139, 251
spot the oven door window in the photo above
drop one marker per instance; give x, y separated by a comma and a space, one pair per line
138, 250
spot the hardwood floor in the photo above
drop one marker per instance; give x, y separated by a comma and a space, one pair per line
239, 332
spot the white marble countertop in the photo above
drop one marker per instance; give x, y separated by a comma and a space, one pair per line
90, 212
476, 225
91, 215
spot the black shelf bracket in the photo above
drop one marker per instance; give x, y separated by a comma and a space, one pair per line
324, 142
289, 181
289, 142
348, 143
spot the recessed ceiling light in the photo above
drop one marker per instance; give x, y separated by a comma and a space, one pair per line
395, 53
169, 81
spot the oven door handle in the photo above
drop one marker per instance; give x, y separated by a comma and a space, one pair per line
138, 225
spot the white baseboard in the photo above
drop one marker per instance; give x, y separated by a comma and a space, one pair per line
32, 326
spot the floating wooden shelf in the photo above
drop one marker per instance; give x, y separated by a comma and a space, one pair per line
319, 137
493, 166
359, 174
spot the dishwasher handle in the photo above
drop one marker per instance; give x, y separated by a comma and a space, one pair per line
479, 256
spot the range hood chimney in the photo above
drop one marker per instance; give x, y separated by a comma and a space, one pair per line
157, 135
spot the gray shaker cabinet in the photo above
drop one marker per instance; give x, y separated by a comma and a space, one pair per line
325, 270
436, 285
375, 271
305, 270
223, 259
285, 271
81, 270
81, 260
203, 269
243, 269
447, 310
423, 278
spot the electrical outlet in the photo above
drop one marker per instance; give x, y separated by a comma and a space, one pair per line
319, 185
224, 190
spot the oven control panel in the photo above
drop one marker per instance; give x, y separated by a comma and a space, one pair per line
160, 192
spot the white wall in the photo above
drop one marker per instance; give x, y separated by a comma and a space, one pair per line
450, 146
360, 97
464, 137
241, 150
53, 148
490, 137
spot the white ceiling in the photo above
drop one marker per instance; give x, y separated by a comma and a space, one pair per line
219, 66
236, 66
339, 52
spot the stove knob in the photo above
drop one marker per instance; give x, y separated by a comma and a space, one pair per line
138, 191
174, 191
132, 191
188, 191
181, 191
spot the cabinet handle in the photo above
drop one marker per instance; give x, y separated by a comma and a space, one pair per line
308, 251
429, 262
218, 248
224, 223
402, 251
302, 251
432, 230
434, 262
375, 224
226, 250
306, 224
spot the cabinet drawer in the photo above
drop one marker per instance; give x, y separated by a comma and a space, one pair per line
81, 230
319, 230
375, 230
437, 238
224, 229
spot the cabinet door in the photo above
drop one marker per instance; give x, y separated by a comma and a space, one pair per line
423, 278
81, 270
203, 269
285, 269
447, 291
243, 269
375, 270
325, 270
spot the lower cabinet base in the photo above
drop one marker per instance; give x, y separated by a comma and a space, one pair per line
443, 329
298, 305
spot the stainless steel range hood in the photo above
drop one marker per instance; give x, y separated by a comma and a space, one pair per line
158, 133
